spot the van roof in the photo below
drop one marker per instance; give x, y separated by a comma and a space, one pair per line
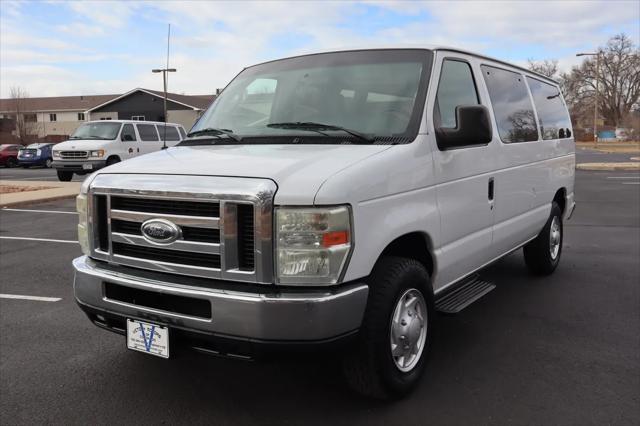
132, 122
420, 47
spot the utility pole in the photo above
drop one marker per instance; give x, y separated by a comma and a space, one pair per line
595, 108
164, 72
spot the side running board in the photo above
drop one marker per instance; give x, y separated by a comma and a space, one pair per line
463, 294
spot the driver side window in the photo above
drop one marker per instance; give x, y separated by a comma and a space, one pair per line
128, 133
456, 87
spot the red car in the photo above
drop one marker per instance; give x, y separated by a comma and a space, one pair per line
9, 155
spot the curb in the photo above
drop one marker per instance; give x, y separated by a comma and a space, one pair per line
628, 166
37, 201
55, 191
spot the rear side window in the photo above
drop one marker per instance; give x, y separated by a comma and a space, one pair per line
172, 133
147, 132
128, 134
511, 105
456, 88
553, 117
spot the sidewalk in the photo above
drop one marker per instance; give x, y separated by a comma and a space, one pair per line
54, 191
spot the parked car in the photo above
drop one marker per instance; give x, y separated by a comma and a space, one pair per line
36, 154
340, 198
622, 134
97, 144
9, 155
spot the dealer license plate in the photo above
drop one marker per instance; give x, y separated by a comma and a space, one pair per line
149, 338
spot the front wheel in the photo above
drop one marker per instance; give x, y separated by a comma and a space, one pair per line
113, 160
395, 336
542, 255
11, 162
48, 163
64, 176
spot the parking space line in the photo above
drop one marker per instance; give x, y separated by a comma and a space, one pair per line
624, 177
38, 298
631, 183
39, 239
36, 211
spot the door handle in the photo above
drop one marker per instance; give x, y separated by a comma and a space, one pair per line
491, 191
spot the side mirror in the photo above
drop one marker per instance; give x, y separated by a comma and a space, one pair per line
127, 138
473, 128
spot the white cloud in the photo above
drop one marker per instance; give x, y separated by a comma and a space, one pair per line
80, 29
213, 41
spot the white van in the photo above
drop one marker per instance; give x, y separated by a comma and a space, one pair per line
339, 198
96, 144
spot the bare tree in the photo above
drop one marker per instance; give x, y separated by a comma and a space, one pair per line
26, 122
619, 81
548, 68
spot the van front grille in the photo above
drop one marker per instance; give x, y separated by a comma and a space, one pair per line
218, 235
170, 256
189, 233
189, 208
73, 154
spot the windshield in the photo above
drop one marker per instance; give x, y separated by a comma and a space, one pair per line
98, 130
378, 94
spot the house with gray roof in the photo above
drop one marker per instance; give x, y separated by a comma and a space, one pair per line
55, 118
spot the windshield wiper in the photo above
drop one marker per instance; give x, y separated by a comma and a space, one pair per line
311, 126
215, 132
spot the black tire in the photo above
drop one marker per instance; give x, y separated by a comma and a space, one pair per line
112, 160
11, 162
48, 163
24, 166
64, 176
538, 253
370, 368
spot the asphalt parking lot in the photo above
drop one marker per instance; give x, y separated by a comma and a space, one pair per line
33, 173
558, 350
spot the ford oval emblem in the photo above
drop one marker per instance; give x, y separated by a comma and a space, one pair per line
160, 231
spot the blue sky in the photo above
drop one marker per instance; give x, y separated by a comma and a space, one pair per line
84, 47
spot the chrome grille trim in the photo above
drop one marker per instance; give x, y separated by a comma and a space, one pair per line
179, 245
224, 191
195, 221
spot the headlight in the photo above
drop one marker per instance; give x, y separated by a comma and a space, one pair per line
83, 215
83, 223
312, 244
38, 153
98, 153
56, 154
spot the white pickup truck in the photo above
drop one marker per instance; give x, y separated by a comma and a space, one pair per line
338, 199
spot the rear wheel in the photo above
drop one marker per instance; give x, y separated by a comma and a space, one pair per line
395, 336
64, 176
542, 255
11, 162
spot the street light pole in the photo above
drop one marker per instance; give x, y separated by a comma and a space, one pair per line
595, 108
164, 72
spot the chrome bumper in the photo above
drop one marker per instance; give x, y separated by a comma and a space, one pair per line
271, 315
77, 165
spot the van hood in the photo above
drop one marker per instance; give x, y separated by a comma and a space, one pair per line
298, 170
81, 144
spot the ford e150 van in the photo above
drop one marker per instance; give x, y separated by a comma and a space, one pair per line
96, 144
338, 199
